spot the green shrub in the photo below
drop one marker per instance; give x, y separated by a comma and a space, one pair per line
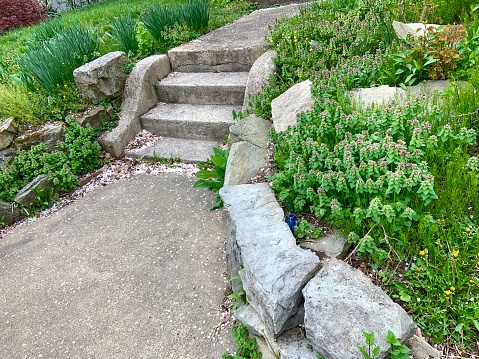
51, 65
157, 19
77, 154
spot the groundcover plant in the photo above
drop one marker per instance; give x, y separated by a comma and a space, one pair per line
401, 181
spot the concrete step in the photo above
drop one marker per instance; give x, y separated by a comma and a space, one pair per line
197, 122
233, 47
221, 88
188, 151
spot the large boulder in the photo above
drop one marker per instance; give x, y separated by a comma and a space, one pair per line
340, 303
275, 269
103, 78
287, 107
259, 75
50, 135
28, 193
7, 132
9, 214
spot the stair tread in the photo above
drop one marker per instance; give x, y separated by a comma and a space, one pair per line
175, 112
207, 79
187, 150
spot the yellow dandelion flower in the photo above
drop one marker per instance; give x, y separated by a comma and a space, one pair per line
310, 49
468, 230
471, 281
447, 292
452, 288
455, 254
418, 269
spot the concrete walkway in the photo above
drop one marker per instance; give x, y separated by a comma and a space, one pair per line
133, 270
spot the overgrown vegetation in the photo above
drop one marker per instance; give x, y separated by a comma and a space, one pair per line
400, 181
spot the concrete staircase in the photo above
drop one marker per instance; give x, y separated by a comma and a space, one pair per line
207, 83
194, 114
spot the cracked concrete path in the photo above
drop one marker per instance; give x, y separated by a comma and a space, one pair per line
133, 270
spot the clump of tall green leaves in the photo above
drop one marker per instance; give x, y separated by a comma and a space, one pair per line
51, 65
212, 175
158, 19
123, 30
77, 154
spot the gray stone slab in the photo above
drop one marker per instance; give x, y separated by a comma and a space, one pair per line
199, 122
259, 75
381, 95
222, 88
188, 151
245, 161
252, 129
334, 245
131, 270
7, 132
340, 303
286, 108
28, 193
292, 344
233, 47
421, 349
275, 269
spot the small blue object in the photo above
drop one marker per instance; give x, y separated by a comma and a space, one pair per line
290, 220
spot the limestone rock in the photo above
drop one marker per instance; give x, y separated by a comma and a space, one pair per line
6, 153
431, 87
7, 132
421, 349
28, 193
341, 302
293, 345
275, 269
249, 317
258, 76
245, 161
96, 116
233, 255
139, 96
265, 350
252, 129
332, 245
415, 29
380, 95
287, 107
103, 78
50, 135
9, 213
